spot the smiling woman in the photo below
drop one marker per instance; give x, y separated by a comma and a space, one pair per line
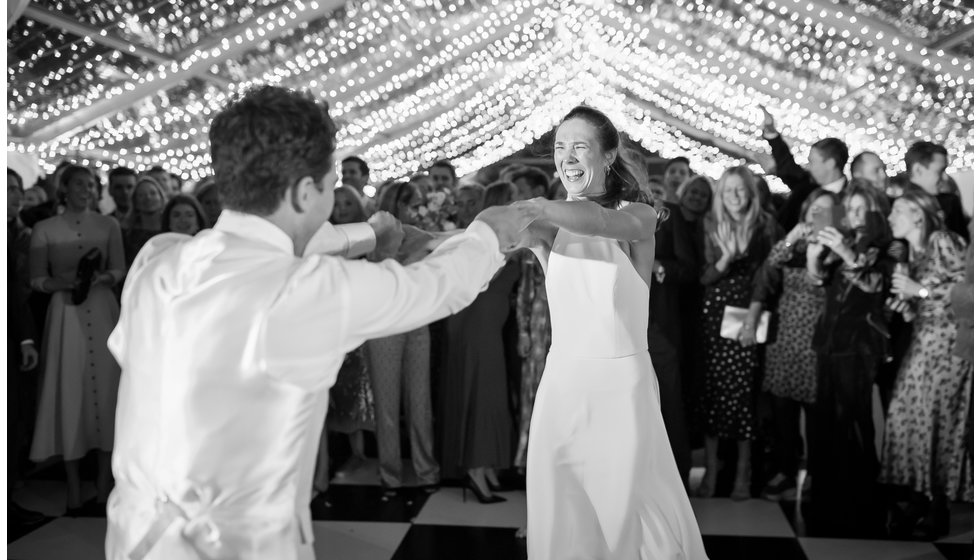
738, 238
78, 396
598, 400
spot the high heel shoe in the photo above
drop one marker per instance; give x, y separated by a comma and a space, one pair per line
480, 496
707, 487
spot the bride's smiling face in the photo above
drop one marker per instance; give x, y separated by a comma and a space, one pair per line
579, 158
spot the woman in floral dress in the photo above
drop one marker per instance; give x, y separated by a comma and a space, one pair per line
927, 424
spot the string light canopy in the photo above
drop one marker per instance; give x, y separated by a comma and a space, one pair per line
136, 82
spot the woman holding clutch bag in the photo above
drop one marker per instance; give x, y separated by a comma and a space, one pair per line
76, 413
850, 340
738, 237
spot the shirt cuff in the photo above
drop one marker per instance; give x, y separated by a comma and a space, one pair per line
27, 341
348, 240
360, 239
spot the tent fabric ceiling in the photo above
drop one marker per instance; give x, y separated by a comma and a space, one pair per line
411, 81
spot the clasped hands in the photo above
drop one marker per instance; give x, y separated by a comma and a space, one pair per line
507, 222
53, 285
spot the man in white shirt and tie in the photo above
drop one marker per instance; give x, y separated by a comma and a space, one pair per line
229, 340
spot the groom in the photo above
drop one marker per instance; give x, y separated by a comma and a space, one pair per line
229, 340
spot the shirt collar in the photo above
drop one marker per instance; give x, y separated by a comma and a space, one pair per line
836, 186
254, 228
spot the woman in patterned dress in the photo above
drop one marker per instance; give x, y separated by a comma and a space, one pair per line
926, 427
76, 413
850, 340
791, 363
738, 238
351, 409
533, 342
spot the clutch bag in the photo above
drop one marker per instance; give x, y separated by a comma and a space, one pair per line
731, 323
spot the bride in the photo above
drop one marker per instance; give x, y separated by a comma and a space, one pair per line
601, 479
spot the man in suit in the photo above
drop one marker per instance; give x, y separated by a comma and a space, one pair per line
925, 163
826, 160
868, 166
21, 357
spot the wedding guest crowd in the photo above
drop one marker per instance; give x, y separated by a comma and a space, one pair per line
767, 314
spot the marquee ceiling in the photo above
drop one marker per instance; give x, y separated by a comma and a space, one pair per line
412, 81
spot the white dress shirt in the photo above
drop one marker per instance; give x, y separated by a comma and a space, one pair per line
836, 186
228, 343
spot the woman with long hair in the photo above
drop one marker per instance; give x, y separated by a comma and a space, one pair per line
851, 341
790, 378
601, 480
145, 218
738, 237
77, 257
926, 430
183, 214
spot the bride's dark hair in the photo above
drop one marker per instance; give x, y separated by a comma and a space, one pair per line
625, 172
621, 179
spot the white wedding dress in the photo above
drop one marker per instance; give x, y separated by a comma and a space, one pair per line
601, 478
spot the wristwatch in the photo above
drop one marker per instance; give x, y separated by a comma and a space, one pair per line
923, 292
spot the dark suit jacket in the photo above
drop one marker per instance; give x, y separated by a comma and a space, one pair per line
677, 252
799, 181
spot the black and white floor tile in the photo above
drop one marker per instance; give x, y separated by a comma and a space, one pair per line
354, 522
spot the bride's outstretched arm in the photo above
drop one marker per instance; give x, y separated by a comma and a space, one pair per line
632, 223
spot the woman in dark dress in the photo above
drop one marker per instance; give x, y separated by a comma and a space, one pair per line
850, 343
145, 217
695, 201
477, 424
738, 238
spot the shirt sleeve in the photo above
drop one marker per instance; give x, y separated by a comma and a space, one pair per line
348, 240
329, 306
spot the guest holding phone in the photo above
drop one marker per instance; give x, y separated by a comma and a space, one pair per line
850, 340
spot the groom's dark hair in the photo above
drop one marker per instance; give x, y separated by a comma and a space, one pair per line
264, 142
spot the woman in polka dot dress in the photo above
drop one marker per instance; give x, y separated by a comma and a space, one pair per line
76, 413
738, 238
